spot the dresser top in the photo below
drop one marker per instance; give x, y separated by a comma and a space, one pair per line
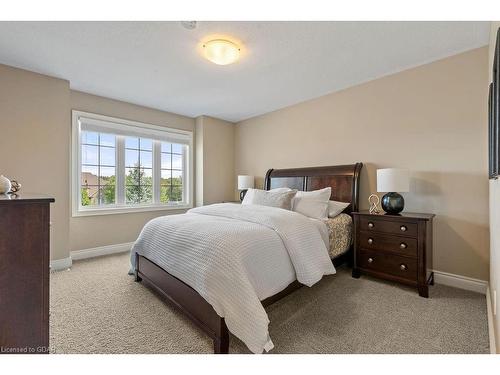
412, 215
25, 197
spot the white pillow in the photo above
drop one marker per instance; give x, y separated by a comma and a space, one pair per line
312, 203
315, 208
280, 199
335, 208
280, 190
250, 193
321, 194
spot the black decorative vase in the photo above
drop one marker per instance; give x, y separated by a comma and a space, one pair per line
242, 194
393, 203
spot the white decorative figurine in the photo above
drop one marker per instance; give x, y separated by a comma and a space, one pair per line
374, 200
4, 184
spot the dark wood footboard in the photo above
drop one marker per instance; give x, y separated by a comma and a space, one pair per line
186, 299
194, 306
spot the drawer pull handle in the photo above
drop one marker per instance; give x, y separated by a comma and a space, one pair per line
370, 225
370, 260
403, 228
402, 245
370, 241
403, 267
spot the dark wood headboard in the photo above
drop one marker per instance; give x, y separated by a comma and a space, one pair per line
343, 179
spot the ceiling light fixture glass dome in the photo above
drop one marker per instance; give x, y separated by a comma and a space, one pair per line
221, 51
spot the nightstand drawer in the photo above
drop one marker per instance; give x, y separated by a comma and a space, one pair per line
376, 224
395, 265
394, 244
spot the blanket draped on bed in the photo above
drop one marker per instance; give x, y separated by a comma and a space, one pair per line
209, 248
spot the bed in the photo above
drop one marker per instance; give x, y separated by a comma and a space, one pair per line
255, 286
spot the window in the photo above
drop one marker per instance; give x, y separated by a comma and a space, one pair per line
138, 170
124, 166
98, 165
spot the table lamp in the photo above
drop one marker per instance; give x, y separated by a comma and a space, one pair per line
245, 183
391, 181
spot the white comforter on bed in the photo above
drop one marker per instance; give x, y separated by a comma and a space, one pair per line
234, 256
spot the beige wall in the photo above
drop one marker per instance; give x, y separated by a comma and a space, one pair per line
215, 176
494, 215
34, 149
94, 231
35, 125
430, 119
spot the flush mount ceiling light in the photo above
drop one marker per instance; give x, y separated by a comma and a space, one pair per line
221, 51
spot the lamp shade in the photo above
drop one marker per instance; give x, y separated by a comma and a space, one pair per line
393, 180
245, 182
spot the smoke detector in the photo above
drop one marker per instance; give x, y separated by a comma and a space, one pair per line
190, 25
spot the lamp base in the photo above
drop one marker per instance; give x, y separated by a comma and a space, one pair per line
242, 194
393, 203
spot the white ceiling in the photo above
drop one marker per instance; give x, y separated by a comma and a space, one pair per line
157, 64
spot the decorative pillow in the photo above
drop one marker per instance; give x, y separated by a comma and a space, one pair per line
279, 199
315, 208
335, 208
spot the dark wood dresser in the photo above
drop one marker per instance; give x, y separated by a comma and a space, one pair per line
394, 247
24, 273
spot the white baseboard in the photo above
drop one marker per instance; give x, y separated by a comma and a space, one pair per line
101, 250
60, 264
461, 282
491, 328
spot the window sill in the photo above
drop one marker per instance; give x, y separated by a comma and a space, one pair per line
129, 210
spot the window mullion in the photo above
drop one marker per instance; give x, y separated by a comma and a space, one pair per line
78, 178
156, 171
120, 170
185, 182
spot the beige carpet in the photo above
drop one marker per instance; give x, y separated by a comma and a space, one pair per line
97, 308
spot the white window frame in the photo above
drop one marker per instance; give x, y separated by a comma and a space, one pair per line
147, 129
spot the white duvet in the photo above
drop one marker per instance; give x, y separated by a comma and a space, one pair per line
234, 256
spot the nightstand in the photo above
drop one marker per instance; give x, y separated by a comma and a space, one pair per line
394, 247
